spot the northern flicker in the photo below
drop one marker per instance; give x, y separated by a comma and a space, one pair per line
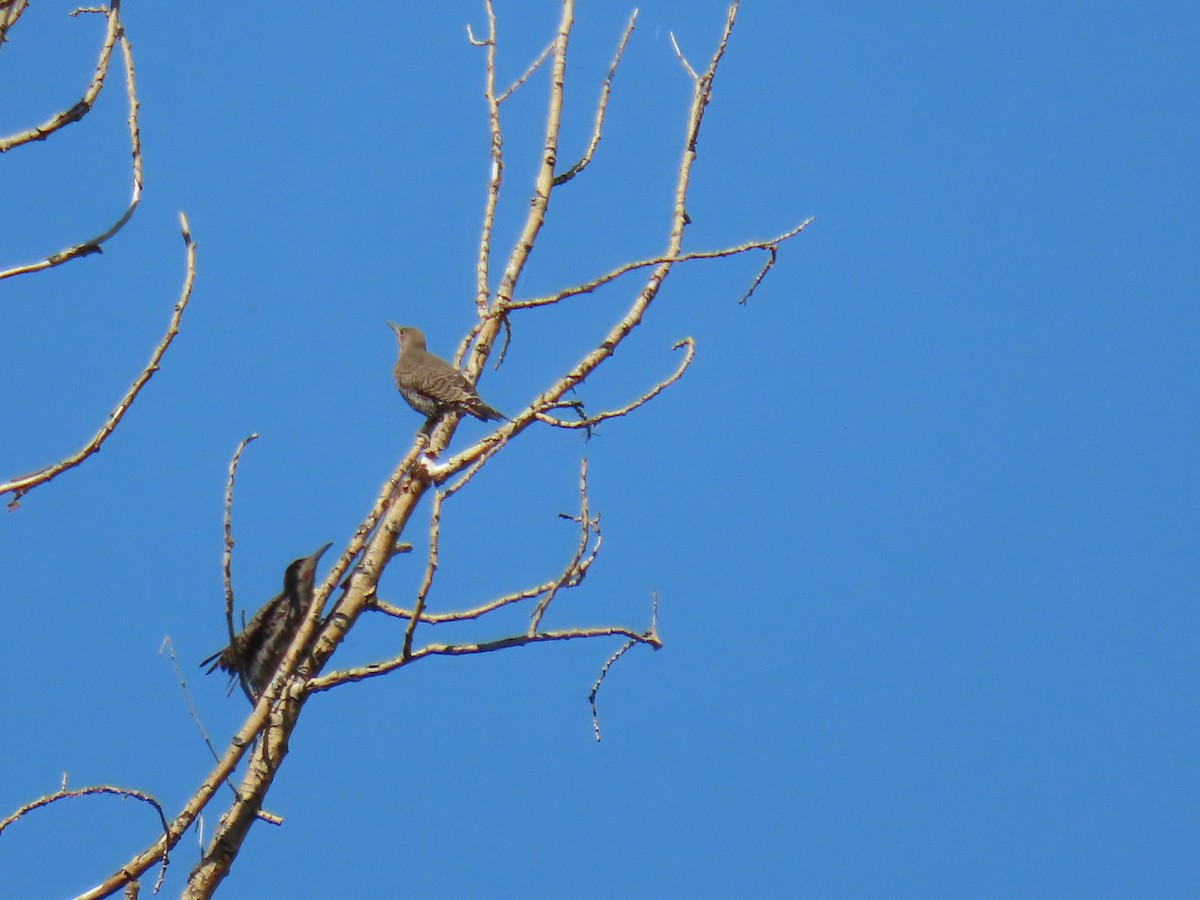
259, 648
431, 385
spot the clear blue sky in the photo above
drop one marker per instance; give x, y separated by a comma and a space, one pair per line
924, 517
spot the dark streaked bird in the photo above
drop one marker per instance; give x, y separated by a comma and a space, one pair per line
259, 648
430, 384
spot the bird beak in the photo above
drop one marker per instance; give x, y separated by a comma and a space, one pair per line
316, 557
394, 327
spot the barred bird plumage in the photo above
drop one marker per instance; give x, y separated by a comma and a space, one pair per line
259, 648
430, 384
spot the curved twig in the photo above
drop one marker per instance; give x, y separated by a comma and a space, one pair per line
63, 793
22, 485
85, 103
116, 31
589, 422
601, 106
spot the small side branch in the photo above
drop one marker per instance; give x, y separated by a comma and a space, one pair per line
227, 563
64, 793
22, 485
687, 67
608, 664
431, 564
589, 422
84, 105
373, 670
773, 250
525, 76
587, 287
496, 151
601, 106
581, 567
573, 574
116, 31
169, 648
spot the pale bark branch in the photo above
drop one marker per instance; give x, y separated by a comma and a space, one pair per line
227, 564
23, 484
10, 11
590, 421
525, 76
116, 31
65, 793
373, 670
84, 105
588, 287
601, 106
687, 67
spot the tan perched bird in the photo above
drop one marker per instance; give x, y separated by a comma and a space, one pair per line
259, 648
430, 384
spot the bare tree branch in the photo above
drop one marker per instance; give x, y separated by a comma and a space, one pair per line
373, 670
572, 575
10, 11
773, 255
496, 177
63, 793
687, 67
169, 648
227, 566
589, 422
588, 286
84, 105
601, 106
23, 484
431, 564
533, 67
116, 31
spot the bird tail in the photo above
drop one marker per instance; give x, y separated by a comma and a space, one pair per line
213, 662
485, 413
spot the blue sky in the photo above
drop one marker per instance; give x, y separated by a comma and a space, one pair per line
922, 517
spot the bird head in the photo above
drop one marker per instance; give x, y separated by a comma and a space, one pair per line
300, 573
407, 337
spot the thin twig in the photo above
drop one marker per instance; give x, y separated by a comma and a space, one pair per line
608, 664
496, 174
64, 793
590, 421
22, 485
84, 105
601, 106
227, 566
431, 564
588, 287
169, 648
586, 524
533, 67
94, 245
683, 59
773, 250
373, 670
599, 680
572, 574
